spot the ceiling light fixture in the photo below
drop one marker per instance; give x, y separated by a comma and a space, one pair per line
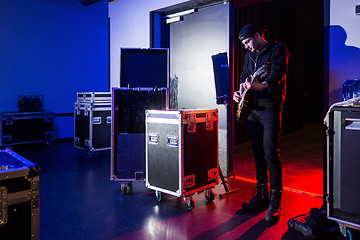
174, 19
183, 13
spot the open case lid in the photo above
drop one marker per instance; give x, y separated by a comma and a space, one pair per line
144, 67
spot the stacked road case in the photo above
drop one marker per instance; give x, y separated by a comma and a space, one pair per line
182, 153
128, 131
92, 115
19, 197
26, 127
343, 181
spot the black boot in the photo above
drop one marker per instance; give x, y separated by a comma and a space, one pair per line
274, 211
260, 200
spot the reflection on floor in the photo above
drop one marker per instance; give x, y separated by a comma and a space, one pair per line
302, 157
78, 200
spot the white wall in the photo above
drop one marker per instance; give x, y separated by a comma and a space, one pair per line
344, 46
129, 28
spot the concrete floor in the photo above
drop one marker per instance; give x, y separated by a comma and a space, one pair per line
79, 201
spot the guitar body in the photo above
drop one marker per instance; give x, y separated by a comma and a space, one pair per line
242, 104
262, 71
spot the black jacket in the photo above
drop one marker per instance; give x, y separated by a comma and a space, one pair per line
276, 56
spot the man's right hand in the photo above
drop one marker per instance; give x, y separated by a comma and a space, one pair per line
237, 96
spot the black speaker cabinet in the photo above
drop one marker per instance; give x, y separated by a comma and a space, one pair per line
343, 185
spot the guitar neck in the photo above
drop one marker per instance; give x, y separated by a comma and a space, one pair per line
253, 78
244, 92
258, 72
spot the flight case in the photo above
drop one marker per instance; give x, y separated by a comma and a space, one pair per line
182, 153
128, 131
343, 181
19, 197
26, 127
92, 116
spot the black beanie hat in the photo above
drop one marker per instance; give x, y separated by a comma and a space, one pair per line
248, 30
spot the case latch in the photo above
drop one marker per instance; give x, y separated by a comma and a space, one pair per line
48, 117
9, 119
77, 108
209, 118
191, 123
86, 111
108, 119
87, 143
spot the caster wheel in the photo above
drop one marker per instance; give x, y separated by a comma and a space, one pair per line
125, 188
189, 203
210, 195
158, 195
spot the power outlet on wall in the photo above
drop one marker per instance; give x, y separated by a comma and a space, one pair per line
357, 9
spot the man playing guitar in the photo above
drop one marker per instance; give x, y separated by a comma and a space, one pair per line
267, 92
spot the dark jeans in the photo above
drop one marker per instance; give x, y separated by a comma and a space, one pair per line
264, 128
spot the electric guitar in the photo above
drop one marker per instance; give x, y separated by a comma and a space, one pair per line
262, 71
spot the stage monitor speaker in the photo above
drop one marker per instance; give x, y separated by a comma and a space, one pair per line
88, 2
343, 166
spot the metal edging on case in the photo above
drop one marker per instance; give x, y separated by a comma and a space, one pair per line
112, 144
181, 154
91, 97
177, 117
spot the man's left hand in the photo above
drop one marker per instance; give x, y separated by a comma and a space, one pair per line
255, 85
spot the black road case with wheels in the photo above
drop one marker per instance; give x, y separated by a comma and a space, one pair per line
343, 179
182, 152
92, 116
19, 197
26, 127
128, 131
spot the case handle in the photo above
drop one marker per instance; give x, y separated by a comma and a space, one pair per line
153, 138
172, 141
96, 120
352, 124
189, 181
